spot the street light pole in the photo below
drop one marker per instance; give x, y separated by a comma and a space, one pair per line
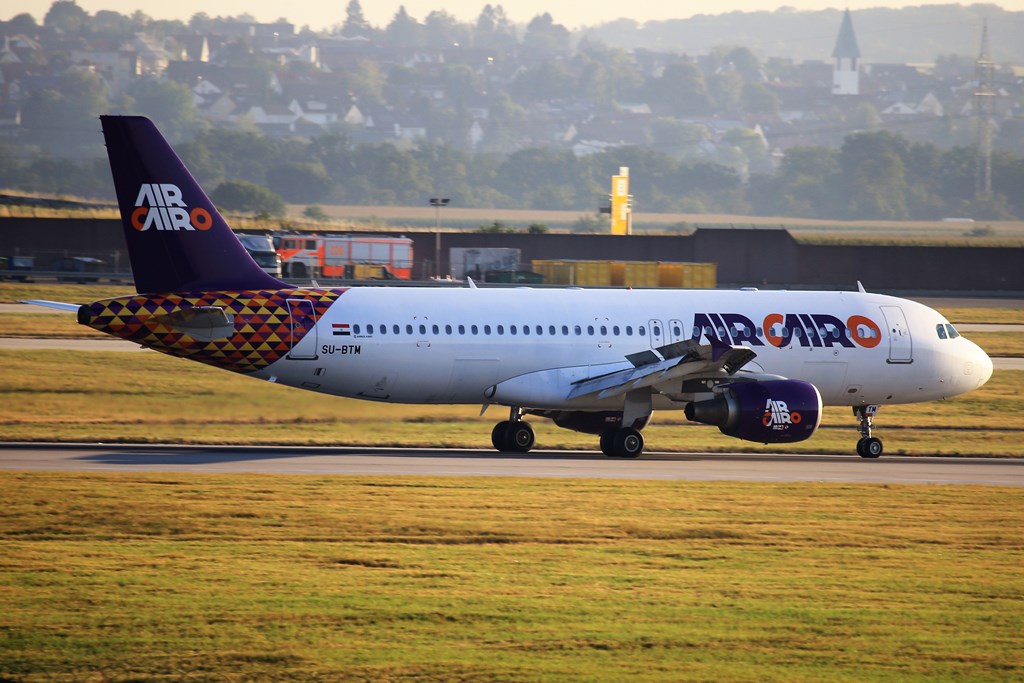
437, 203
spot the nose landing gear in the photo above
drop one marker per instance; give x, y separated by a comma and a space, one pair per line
868, 446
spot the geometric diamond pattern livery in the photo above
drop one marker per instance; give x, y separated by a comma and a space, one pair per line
265, 326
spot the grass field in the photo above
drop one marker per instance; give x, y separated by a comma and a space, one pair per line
177, 577
149, 397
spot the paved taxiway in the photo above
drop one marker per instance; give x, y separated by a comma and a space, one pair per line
464, 462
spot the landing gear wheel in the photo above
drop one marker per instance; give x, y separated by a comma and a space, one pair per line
624, 443
608, 441
869, 447
510, 436
499, 436
520, 437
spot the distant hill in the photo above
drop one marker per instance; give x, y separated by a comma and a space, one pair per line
914, 34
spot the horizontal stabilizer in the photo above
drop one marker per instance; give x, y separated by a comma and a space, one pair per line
59, 305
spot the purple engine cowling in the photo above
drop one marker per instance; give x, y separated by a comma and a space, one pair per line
776, 411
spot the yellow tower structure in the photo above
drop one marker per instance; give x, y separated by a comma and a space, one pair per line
621, 204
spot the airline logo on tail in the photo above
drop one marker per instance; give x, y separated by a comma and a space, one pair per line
160, 206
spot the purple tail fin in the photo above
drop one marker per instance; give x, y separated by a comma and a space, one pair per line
177, 241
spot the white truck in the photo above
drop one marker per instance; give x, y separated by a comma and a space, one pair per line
261, 248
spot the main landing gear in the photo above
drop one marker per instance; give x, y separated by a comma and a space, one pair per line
513, 435
622, 443
868, 446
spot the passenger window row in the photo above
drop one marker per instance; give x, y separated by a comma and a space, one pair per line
501, 330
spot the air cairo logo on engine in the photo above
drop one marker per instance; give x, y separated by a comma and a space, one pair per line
159, 206
778, 416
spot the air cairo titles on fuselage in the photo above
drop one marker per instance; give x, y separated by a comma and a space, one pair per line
808, 329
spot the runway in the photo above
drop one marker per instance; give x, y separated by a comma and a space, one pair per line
550, 464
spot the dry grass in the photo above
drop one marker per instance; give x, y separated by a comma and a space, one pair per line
169, 577
149, 397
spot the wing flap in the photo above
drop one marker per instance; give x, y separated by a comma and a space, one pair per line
679, 360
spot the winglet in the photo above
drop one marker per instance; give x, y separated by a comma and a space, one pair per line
469, 281
860, 288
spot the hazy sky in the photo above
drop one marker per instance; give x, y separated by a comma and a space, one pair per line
326, 13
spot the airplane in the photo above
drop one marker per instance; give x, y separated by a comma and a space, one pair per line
759, 365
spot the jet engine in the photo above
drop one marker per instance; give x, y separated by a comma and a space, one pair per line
775, 411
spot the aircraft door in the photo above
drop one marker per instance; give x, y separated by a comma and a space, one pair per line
302, 323
901, 347
657, 332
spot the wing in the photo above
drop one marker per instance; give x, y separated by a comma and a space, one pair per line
674, 361
578, 386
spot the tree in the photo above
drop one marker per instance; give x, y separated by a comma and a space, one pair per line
494, 31
681, 88
549, 80
757, 99
607, 75
442, 30
356, 25
878, 187
545, 39
725, 89
62, 120
300, 183
241, 195
403, 31
22, 23
169, 104
67, 17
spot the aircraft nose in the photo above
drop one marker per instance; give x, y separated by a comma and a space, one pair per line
983, 366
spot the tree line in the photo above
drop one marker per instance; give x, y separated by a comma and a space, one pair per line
874, 175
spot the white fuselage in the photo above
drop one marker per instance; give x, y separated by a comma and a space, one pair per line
434, 345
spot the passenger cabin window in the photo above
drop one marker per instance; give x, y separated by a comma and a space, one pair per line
487, 329
462, 329
473, 329
656, 330
355, 329
423, 329
408, 329
501, 329
565, 330
641, 331
940, 329
629, 330
447, 329
435, 329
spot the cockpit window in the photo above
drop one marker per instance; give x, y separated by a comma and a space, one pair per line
953, 334
941, 330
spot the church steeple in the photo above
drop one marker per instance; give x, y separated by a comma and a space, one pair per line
846, 73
